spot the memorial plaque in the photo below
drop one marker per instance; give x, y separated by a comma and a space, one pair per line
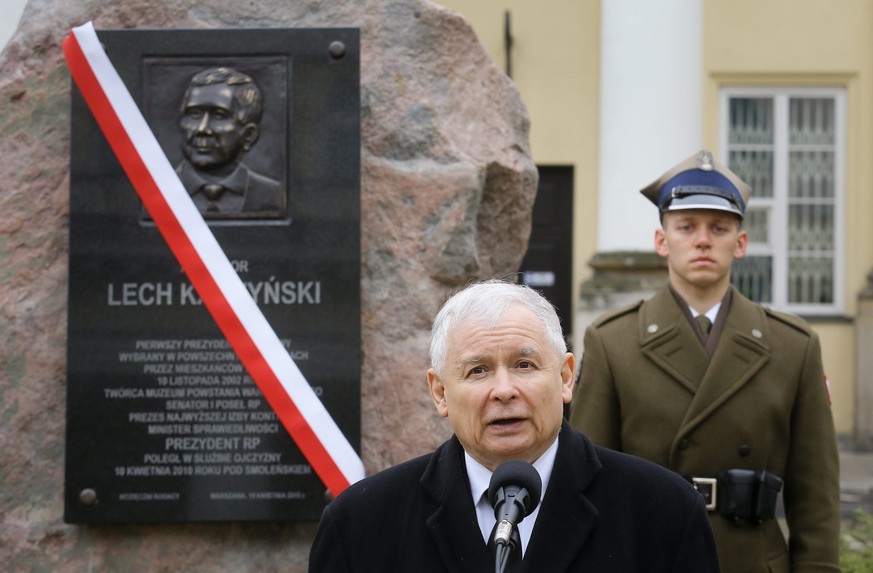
164, 424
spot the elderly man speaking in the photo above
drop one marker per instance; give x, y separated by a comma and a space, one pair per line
500, 372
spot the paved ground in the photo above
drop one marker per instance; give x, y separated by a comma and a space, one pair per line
856, 482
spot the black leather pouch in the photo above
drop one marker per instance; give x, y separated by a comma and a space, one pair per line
769, 487
747, 495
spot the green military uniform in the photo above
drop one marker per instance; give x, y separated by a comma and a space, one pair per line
758, 400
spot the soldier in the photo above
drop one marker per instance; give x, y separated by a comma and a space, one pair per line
741, 410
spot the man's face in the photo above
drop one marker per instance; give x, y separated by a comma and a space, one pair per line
700, 246
211, 135
503, 388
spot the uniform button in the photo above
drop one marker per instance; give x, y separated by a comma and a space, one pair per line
744, 450
652, 328
757, 333
683, 444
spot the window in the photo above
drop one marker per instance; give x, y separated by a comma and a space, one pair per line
787, 144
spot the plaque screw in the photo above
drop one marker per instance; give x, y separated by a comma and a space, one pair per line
88, 496
337, 50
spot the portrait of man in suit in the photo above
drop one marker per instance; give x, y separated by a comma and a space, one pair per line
220, 115
501, 375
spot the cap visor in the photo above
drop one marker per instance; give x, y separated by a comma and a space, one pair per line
709, 202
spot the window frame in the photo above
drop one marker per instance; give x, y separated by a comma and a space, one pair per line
778, 206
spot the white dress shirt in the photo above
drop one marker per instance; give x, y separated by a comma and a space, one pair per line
480, 479
710, 314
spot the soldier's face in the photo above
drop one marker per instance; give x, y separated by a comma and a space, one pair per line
211, 135
700, 246
503, 388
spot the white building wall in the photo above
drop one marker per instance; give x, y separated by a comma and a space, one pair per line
651, 109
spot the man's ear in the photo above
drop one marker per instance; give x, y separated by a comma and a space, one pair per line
742, 245
437, 393
251, 132
661, 246
568, 377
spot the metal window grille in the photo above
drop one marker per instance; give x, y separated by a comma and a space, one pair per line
787, 144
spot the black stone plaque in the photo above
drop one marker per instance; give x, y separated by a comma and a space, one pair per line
163, 422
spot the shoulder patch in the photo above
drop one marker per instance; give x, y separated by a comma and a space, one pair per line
789, 319
616, 313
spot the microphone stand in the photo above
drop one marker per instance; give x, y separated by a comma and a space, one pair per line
514, 492
503, 550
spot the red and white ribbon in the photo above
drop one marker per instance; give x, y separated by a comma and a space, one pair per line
206, 265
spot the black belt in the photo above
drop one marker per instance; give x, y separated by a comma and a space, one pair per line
743, 496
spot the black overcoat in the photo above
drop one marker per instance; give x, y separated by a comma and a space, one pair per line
602, 511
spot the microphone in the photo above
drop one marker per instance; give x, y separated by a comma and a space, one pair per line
514, 492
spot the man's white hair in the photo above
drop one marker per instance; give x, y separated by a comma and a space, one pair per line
487, 302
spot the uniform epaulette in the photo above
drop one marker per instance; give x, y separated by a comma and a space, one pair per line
613, 314
789, 319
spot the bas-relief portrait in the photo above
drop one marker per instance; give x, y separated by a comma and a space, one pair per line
225, 133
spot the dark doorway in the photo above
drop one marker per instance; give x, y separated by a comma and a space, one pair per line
548, 263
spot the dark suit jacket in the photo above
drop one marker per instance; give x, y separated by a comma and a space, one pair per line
759, 402
603, 511
247, 191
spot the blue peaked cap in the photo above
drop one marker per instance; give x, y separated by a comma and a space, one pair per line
699, 182
688, 181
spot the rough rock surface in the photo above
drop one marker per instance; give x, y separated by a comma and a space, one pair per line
447, 189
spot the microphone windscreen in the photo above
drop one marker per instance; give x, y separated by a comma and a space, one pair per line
520, 474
